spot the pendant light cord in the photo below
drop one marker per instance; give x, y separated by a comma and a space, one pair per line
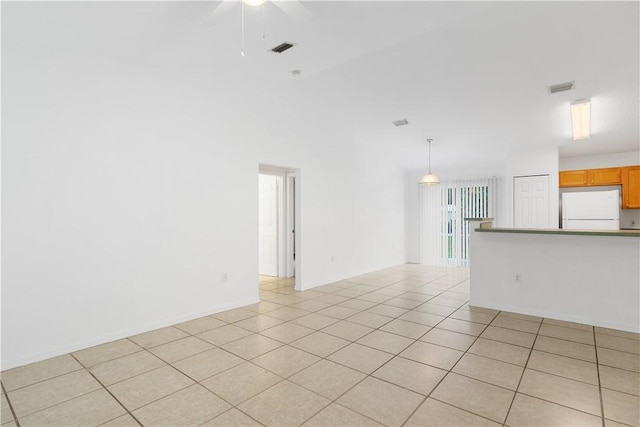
242, 26
429, 141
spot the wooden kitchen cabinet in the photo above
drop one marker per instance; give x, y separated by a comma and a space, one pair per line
588, 177
631, 187
608, 176
573, 178
627, 176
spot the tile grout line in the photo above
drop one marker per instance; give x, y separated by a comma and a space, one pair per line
212, 392
431, 327
376, 305
559, 376
547, 373
195, 382
222, 398
111, 394
524, 369
46, 379
88, 368
13, 412
230, 409
595, 346
367, 375
450, 370
289, 344
377, 288
61, 402
331, 401
561, 355
287, 378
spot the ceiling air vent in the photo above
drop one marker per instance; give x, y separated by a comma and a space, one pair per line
400, 122
282, 47
561, 87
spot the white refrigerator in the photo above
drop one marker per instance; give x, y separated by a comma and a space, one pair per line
593, 210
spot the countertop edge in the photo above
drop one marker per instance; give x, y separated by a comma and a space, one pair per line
561, 232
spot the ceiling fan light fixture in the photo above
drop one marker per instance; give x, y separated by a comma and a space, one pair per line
429, 178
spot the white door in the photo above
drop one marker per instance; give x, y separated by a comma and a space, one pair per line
531, 201
268, 225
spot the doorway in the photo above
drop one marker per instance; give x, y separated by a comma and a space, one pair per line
278, 211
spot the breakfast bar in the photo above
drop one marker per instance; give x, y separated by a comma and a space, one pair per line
583, 276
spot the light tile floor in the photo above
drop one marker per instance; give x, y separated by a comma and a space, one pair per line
399, 346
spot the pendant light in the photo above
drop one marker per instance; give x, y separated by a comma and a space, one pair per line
429, 178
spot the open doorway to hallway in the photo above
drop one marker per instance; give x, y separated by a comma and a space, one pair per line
278, 210
283, 285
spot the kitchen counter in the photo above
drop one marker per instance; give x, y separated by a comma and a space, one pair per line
584, 276
560, 231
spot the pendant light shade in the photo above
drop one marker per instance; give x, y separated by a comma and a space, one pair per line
429, 178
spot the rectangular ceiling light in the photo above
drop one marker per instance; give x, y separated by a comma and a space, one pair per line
581, 118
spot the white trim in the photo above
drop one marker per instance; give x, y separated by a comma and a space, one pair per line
282, 213
288, 208
289, 227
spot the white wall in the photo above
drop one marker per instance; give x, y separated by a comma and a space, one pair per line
129, 192
600, 161
534, 161
412, 216
585, 279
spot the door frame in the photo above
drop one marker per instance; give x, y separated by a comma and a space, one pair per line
289, 231
289, 254
273, 202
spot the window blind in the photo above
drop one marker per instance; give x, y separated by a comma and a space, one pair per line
444, 232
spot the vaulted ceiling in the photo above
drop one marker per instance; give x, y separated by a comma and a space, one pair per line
471, 75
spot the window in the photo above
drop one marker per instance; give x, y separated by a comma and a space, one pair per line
444, 209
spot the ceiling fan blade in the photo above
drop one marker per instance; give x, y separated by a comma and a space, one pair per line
220, 11
294, 9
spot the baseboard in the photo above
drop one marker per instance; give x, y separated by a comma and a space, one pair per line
630, 327
306, 287
81, 345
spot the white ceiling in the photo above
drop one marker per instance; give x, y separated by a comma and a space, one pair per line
471, 75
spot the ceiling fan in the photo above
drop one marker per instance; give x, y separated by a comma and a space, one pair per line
293, 8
